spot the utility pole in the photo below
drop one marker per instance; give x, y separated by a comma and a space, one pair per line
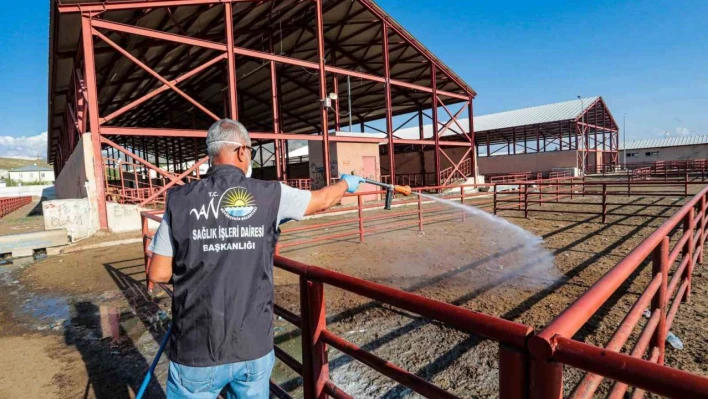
624, 139
582, 136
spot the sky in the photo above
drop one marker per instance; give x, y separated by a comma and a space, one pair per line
646, 58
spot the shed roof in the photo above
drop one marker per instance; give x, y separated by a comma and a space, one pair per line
353, 32
32, 168
675, 141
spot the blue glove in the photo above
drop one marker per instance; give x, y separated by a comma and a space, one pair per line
352, 182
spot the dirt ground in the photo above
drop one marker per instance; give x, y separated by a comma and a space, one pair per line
56, 315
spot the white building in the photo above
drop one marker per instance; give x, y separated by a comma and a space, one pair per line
32, 174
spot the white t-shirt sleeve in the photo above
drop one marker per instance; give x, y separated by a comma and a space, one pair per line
162, 243
293, 203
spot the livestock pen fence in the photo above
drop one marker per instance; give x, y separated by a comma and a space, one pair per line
530, 362
11, 204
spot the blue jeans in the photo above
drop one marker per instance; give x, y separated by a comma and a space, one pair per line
243, 380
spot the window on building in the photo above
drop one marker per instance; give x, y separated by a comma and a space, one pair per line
651, 153
42, 174
632, 154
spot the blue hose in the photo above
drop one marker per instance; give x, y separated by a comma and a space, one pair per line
151, 371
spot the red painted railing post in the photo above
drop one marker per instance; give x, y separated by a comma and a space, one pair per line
572, 187
557, 190
604, 202
688, 251
462, 201
420, 213
526, 202
660, 265
360, 211
495, 198
314, 351
702, 229
685, 186
540, 193
546, 380
513, 373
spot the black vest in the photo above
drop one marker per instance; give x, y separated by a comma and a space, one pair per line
224, 230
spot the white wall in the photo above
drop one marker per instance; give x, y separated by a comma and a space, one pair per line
32, 177
74, 215
34, 191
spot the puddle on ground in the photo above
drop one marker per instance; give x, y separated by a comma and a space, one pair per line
46, 308
287, 338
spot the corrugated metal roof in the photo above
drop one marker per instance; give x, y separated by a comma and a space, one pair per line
32, 168
562, 111
665, 142
528, 116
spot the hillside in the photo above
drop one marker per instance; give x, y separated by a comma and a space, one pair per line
12, 163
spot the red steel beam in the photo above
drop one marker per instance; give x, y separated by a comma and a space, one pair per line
136, 4
92, 92
161, 89
154, 74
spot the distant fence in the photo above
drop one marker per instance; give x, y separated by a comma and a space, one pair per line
9, 205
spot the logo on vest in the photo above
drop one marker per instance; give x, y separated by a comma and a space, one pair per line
237, 204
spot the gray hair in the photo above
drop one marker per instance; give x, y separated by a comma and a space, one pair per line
223, 131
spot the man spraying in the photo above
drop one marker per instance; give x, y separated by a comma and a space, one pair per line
216, 244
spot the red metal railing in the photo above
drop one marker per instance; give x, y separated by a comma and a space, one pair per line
657, 167
554, 343
530, 365
11, 204
314, 369
555, 191
302, 184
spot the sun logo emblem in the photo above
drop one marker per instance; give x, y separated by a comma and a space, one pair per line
237, 204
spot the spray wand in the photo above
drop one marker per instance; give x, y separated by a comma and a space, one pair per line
390, 189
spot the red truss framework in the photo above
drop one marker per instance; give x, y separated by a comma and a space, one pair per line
147, 78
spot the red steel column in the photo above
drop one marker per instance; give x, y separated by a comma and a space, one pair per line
389, 110
688, 251
92, 92
323, 93
434, 114
277, 144
473, 140
231, 58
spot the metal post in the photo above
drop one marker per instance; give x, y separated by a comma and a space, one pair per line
604, 202
434, 114
546, 380
526, 201
495, 198
323, 93
513, 373
314, 354
688, 251
624, 139
92, 92
660, 265
231, 58
702, 230
462, 201
360, 211
389, 105
420, 213
473, 140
